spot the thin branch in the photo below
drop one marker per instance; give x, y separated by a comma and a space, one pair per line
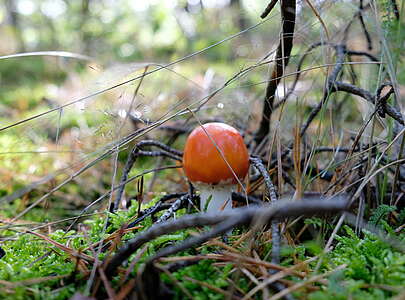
160, 205
178, 204
137, 151
340, 57
388, 109
268, 9
363, 25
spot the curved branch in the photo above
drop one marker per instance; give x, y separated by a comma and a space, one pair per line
166, 151
228, 219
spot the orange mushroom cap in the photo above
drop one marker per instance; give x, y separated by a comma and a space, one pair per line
202, 162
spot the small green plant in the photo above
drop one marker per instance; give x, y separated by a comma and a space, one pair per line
380, 213
371, 264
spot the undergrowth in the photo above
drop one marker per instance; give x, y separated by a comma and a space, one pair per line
374, 269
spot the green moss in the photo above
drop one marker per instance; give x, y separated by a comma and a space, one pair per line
370, 264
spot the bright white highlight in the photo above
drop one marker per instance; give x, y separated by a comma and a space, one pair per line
221, 197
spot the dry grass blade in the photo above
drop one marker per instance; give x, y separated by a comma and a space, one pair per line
304, 283
69, 251
255, 261
125, 290
213, 288
233, 258
107, 285
318, 16
132, 79
33, 281
175, 281
276, 277
264, 273
216, 242
50, 53
115, 235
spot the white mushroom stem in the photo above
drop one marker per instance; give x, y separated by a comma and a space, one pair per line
219, 197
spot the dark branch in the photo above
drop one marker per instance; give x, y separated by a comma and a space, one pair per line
388, 109
244, 215
363, 25
179, 203
282, 58
268, 9
160, 205
137, 151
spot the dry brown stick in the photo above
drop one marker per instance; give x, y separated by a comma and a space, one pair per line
107, 285
70, 251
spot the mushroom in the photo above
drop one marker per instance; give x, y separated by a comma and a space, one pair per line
215, 159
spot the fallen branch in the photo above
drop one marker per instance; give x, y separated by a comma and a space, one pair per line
228, 220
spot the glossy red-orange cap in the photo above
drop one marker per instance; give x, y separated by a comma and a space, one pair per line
202, 162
